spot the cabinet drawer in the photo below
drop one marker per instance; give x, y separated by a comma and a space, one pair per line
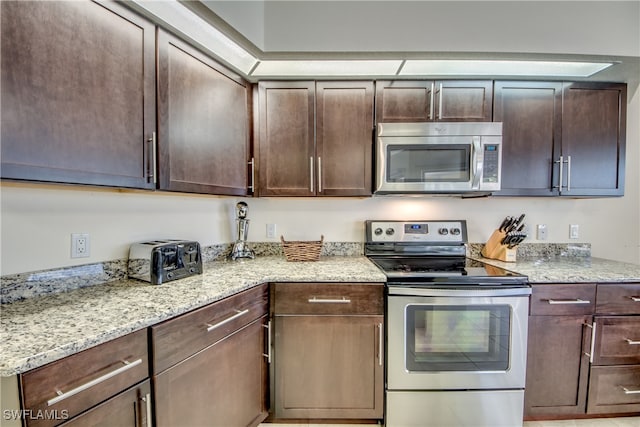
183, 336
614, 389
80, 381
617, 340
574, 299
618, 299
328, 298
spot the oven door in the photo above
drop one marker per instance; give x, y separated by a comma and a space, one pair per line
450, 339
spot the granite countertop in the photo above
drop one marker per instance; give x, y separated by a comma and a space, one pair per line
43, 329
562, 269
39, 330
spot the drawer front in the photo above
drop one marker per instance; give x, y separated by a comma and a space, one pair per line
614, 389
328, 298
618, 299
176, 339
563, 300
617, 340
69, 386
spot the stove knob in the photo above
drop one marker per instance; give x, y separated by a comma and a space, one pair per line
455, 231
443, 231
377, 231
390, 231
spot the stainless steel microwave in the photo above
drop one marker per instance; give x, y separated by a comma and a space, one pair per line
449, 158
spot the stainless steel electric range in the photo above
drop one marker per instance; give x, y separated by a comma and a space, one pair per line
456, 328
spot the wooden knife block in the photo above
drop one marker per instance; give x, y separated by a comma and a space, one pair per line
495, 250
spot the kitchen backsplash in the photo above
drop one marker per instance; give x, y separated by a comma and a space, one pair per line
16, 287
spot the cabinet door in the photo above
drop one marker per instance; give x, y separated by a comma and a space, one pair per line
557, 368
344, 138
286, 143
131, 408
223, 385
530, 113
328, 367
404, 101
78, 93
463, 100
593, 135
203, 122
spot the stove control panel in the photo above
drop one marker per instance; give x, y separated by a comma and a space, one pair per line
417, 231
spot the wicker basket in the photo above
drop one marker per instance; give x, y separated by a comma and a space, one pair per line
302, 250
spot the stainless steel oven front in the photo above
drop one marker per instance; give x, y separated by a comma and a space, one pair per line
456, 356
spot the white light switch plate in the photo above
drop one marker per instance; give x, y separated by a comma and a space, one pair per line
541, 232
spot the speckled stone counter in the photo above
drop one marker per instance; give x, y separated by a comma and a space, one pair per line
570, 269
43, 329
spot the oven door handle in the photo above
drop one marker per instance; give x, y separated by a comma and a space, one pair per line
439, 292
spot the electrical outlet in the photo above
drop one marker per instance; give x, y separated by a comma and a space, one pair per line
80, 245
271, 231
574, 231
541, 233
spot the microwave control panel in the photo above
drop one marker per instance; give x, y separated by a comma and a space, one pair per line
491, 163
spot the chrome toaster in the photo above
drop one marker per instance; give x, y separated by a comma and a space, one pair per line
160, 261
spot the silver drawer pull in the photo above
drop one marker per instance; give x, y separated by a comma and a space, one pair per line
315, 300
568, 301
62, 396
632, 342
636, 299
225, 321
630, 391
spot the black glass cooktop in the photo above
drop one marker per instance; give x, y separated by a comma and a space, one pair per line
444, 269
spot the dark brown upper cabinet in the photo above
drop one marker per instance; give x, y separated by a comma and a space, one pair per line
531, 113
563, 139
315, 139
78, 93
203, 122
429, 101
593, 138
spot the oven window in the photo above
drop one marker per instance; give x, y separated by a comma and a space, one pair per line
457, 337
428, 163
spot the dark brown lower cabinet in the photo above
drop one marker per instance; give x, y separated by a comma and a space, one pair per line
223, 385
557, 368
131, 408
328, 367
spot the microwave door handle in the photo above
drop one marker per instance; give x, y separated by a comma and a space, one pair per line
476, 159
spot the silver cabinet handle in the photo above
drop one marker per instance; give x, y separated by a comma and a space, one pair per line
593, 341
629, 391
147, 399
152, 172
319, 174
431, 102
268, 328
311, 174
380, 347
568, 173
225, 321
568, 301
632, 342
636, 299
315, 300
439, 115
561, 165
62, 396
252, 186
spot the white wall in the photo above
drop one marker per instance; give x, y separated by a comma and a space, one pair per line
37, 220
563, 27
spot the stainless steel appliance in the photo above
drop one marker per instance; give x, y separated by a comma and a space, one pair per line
438, 158
456, 328
160, 261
